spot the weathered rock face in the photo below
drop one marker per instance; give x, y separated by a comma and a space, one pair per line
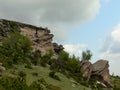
98, 70
41, 37
86, 68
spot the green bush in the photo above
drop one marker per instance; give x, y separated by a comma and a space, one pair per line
42, 81
15, 48
46, 58
36, 86
22, 74
36, 56
16, 83
28, 66
13, 26
52, 75
12, 83
73, 65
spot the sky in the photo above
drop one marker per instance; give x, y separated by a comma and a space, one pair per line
76, 24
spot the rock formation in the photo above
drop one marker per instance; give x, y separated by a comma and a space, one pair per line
86, 68
99, 71
41, 37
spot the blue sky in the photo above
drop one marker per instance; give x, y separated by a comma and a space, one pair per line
78, 24
93, 31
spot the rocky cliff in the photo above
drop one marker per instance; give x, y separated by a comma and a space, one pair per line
41, 37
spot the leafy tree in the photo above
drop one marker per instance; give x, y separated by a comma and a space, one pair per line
15, 48
63, 59
73, 64
46, 58
36, 57
86, 55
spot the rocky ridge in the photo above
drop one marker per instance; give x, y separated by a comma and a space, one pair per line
41, 37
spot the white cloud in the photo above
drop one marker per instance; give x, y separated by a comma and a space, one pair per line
114, 62
111, 49
116, 33
112, 43
75, 49
51, 13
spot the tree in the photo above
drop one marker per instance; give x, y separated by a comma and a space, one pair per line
15, 48
86, 55
73, 64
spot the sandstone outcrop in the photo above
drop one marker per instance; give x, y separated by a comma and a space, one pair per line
99, 71
41, 37
86, 68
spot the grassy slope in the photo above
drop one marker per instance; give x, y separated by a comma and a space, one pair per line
64, 84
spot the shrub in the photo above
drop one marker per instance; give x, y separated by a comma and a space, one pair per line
22, 74
99, 86
12, 83
28, 66
46, 58
36, 57
13, 26
73, 65
42, 81
52, 75
15, 48
36, 86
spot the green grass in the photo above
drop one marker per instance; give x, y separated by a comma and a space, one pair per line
43, 72
115, 82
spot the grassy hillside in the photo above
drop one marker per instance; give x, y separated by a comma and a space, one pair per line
43, 72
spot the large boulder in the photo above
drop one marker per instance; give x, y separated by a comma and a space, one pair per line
98, 71
101, 71
86, 68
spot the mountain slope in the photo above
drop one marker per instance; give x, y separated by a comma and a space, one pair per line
43, 72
